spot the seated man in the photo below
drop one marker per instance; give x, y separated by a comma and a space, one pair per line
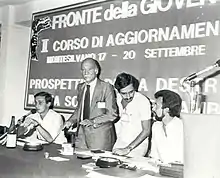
135, 118
167, 131
45, 124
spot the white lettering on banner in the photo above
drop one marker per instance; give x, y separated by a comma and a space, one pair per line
208, 107
70, 101
212, 108
62, 84
154, 6
44, 45
31, 99
86, 16
174, 84
75, 58
97, 41
127, 38
125, 11
210, 85
195, 50
190, 31
171, 83
70, 44
143, 85
56, 101
69, 58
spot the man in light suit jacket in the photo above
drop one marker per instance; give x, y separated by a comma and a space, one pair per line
97, 131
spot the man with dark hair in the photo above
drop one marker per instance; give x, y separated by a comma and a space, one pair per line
134, 124
96, 111
45, 124
167, 132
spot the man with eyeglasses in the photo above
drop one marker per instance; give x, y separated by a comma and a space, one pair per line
135, 118
96, 111
45, 124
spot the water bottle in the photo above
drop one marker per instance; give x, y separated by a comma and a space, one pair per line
12, 134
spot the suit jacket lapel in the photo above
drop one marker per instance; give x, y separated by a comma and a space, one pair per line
96, 94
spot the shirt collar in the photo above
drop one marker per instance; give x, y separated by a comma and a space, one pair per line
173, 121
93, 83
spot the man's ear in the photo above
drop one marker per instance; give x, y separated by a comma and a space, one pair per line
166, 110
49, 104
96, 71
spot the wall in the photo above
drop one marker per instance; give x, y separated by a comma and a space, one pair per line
14, 54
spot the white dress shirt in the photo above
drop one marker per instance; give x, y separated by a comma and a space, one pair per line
52, 123
167, 147
129, 126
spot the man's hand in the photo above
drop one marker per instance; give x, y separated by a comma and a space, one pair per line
99, 121
67, 125
30, 122
121, 151
86, 123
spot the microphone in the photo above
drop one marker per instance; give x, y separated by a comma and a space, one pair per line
32, 111
196, 74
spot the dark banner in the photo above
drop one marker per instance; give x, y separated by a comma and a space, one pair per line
159, 42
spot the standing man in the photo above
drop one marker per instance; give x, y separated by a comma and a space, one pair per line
135, 118
96, 111
167, 131
45, 124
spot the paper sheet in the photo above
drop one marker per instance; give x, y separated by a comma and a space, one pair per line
143, 163
93, 174
34, 141
57, 158
65, 153
97, 155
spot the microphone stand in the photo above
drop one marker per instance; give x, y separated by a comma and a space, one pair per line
193, 96
195, 102
195, 99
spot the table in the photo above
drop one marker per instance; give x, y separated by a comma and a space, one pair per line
17, 163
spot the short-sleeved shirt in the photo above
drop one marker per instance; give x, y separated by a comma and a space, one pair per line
129, 126
167, 147
53, 124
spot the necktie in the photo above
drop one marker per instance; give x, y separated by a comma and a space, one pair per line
86, 108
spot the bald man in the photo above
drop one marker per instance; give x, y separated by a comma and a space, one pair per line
96, 111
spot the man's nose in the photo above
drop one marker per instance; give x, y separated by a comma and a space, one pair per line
127, 95
37, 105
86, 72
